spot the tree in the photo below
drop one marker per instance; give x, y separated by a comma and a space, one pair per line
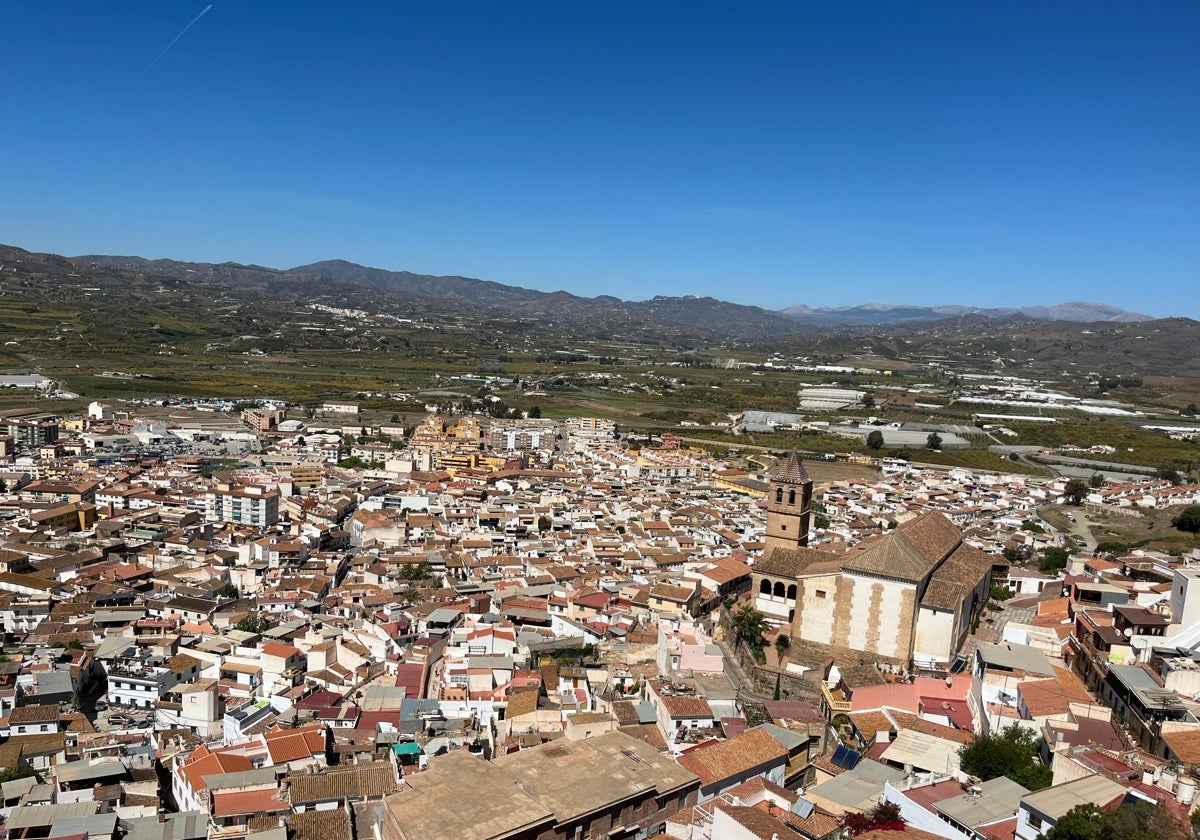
1015, 554
11, 774
252, 624
875, 440
1135, 821
535, 412
883, 817
1012, 753
748, 625
1191, 410
1080, 823
1054, 559
228, 591
934, 441
544, 523
1075, 491
395, 418
1096, 481
1169, 473
782, 643
868, 401
1188, 519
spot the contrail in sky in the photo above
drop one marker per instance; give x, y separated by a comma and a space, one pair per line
182, 32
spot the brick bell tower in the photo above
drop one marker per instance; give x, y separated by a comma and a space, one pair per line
789, 507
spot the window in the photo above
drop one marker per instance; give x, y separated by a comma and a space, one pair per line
1034, 820
779, 495
791, 497
820, 593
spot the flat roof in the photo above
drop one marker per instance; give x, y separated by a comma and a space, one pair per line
1054, 802
927, 752
1014, 657
574, 778
858, 788
463, 796
31, 816
999, 801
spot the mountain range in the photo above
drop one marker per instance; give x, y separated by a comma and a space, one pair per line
882, 313
705, 313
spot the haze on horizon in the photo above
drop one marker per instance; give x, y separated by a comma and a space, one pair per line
770, 154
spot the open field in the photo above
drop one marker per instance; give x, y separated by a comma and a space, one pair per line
1153, 524
1134, 444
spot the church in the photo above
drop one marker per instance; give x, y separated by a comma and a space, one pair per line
907, 597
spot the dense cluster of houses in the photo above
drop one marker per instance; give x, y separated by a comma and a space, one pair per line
519, 629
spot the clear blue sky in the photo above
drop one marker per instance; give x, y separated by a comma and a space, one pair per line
767, 153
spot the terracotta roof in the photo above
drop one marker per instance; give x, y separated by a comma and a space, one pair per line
792, 562
1185, 744
240, 803
333, 824
279, 649
210, 764
757, 823
295, 744
910, 552
1053, 696
686, 706
647, 732
522, 703
726, 759
24, 715
372, 779
793, 471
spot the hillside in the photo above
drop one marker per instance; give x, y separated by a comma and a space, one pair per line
881, 313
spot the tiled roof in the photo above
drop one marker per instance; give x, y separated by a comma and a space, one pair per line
240, 803
293, 745
792, 562
686, 706
25, 715
793, 471
334, 824
910, 552
373, 779
726, 759
1053, 696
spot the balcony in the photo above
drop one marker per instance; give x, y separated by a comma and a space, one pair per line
835, 699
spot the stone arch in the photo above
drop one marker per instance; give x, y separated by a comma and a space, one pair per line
791, 497
779, 590
779, 495
791, 592
764, 588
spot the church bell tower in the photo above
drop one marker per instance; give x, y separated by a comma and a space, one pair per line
789, 507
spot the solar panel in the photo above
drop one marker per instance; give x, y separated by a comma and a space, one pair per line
802, 808
845, 757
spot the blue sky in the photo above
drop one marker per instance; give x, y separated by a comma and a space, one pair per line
765, 153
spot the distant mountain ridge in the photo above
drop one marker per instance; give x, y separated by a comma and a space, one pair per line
685, 311
882, 313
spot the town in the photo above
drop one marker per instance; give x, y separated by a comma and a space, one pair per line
286, 624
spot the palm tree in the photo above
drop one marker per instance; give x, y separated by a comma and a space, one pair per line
748, 625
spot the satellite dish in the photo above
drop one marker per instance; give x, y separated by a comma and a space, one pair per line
1127, 632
